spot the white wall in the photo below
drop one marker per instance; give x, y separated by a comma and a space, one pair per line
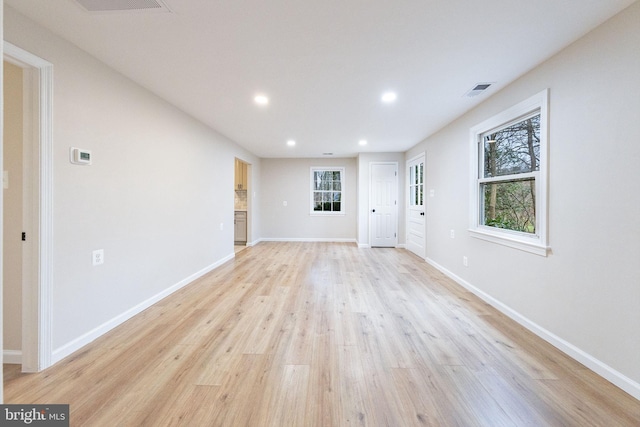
160, 185
364, 181
12, 213
289, 180
587, 291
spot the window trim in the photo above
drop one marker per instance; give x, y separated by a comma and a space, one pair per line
340, 169
534, 243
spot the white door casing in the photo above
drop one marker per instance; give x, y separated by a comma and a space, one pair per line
416, 231
384, 204
37, 262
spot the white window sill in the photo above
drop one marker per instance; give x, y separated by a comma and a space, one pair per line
327, 214
527, 244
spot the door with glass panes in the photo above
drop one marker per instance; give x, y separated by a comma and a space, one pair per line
415, 209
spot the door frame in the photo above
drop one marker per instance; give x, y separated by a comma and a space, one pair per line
37, 277
371, 164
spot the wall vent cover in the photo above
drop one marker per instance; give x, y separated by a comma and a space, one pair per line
124, 5
478, 89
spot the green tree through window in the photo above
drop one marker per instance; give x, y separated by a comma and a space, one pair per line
511, 160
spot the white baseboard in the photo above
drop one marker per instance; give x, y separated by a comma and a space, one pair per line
12, 357
67, 349
607, 372
368, 246
307, 239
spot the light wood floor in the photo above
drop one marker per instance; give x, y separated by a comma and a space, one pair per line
320, 334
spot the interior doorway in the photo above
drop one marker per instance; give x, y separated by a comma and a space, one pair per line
12, 187
37, 215
242, 205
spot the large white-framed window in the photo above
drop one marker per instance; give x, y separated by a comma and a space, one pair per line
509, 157
327, 190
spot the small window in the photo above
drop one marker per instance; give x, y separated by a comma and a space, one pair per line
416, 183
509, 177
327, 187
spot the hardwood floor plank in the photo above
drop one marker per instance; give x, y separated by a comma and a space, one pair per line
471, 395
416, 398
288, 401
267, 325
354, 401
323, 334
324, 406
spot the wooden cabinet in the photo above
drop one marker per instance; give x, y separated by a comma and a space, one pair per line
240, 228
241, 175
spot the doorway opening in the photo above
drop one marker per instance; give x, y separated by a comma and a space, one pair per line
242, 205
36, 267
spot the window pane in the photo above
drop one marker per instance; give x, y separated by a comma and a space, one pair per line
514, 149
317, 201
510, 205
337, 185
317, 180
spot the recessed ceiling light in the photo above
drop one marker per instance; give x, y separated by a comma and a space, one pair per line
362, 142
389, 97
291, 143
261, 100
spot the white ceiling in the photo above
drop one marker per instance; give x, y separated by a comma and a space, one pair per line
325, 64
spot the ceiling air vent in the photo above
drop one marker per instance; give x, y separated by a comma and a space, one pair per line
124, 5
478, 89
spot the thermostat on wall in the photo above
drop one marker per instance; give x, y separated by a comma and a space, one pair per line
80, 156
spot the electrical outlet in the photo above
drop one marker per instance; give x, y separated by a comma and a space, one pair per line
98, 257
284, 203
452, 233
221, 226
465, 261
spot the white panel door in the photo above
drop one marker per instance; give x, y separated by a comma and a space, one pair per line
384, 209
415, 209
